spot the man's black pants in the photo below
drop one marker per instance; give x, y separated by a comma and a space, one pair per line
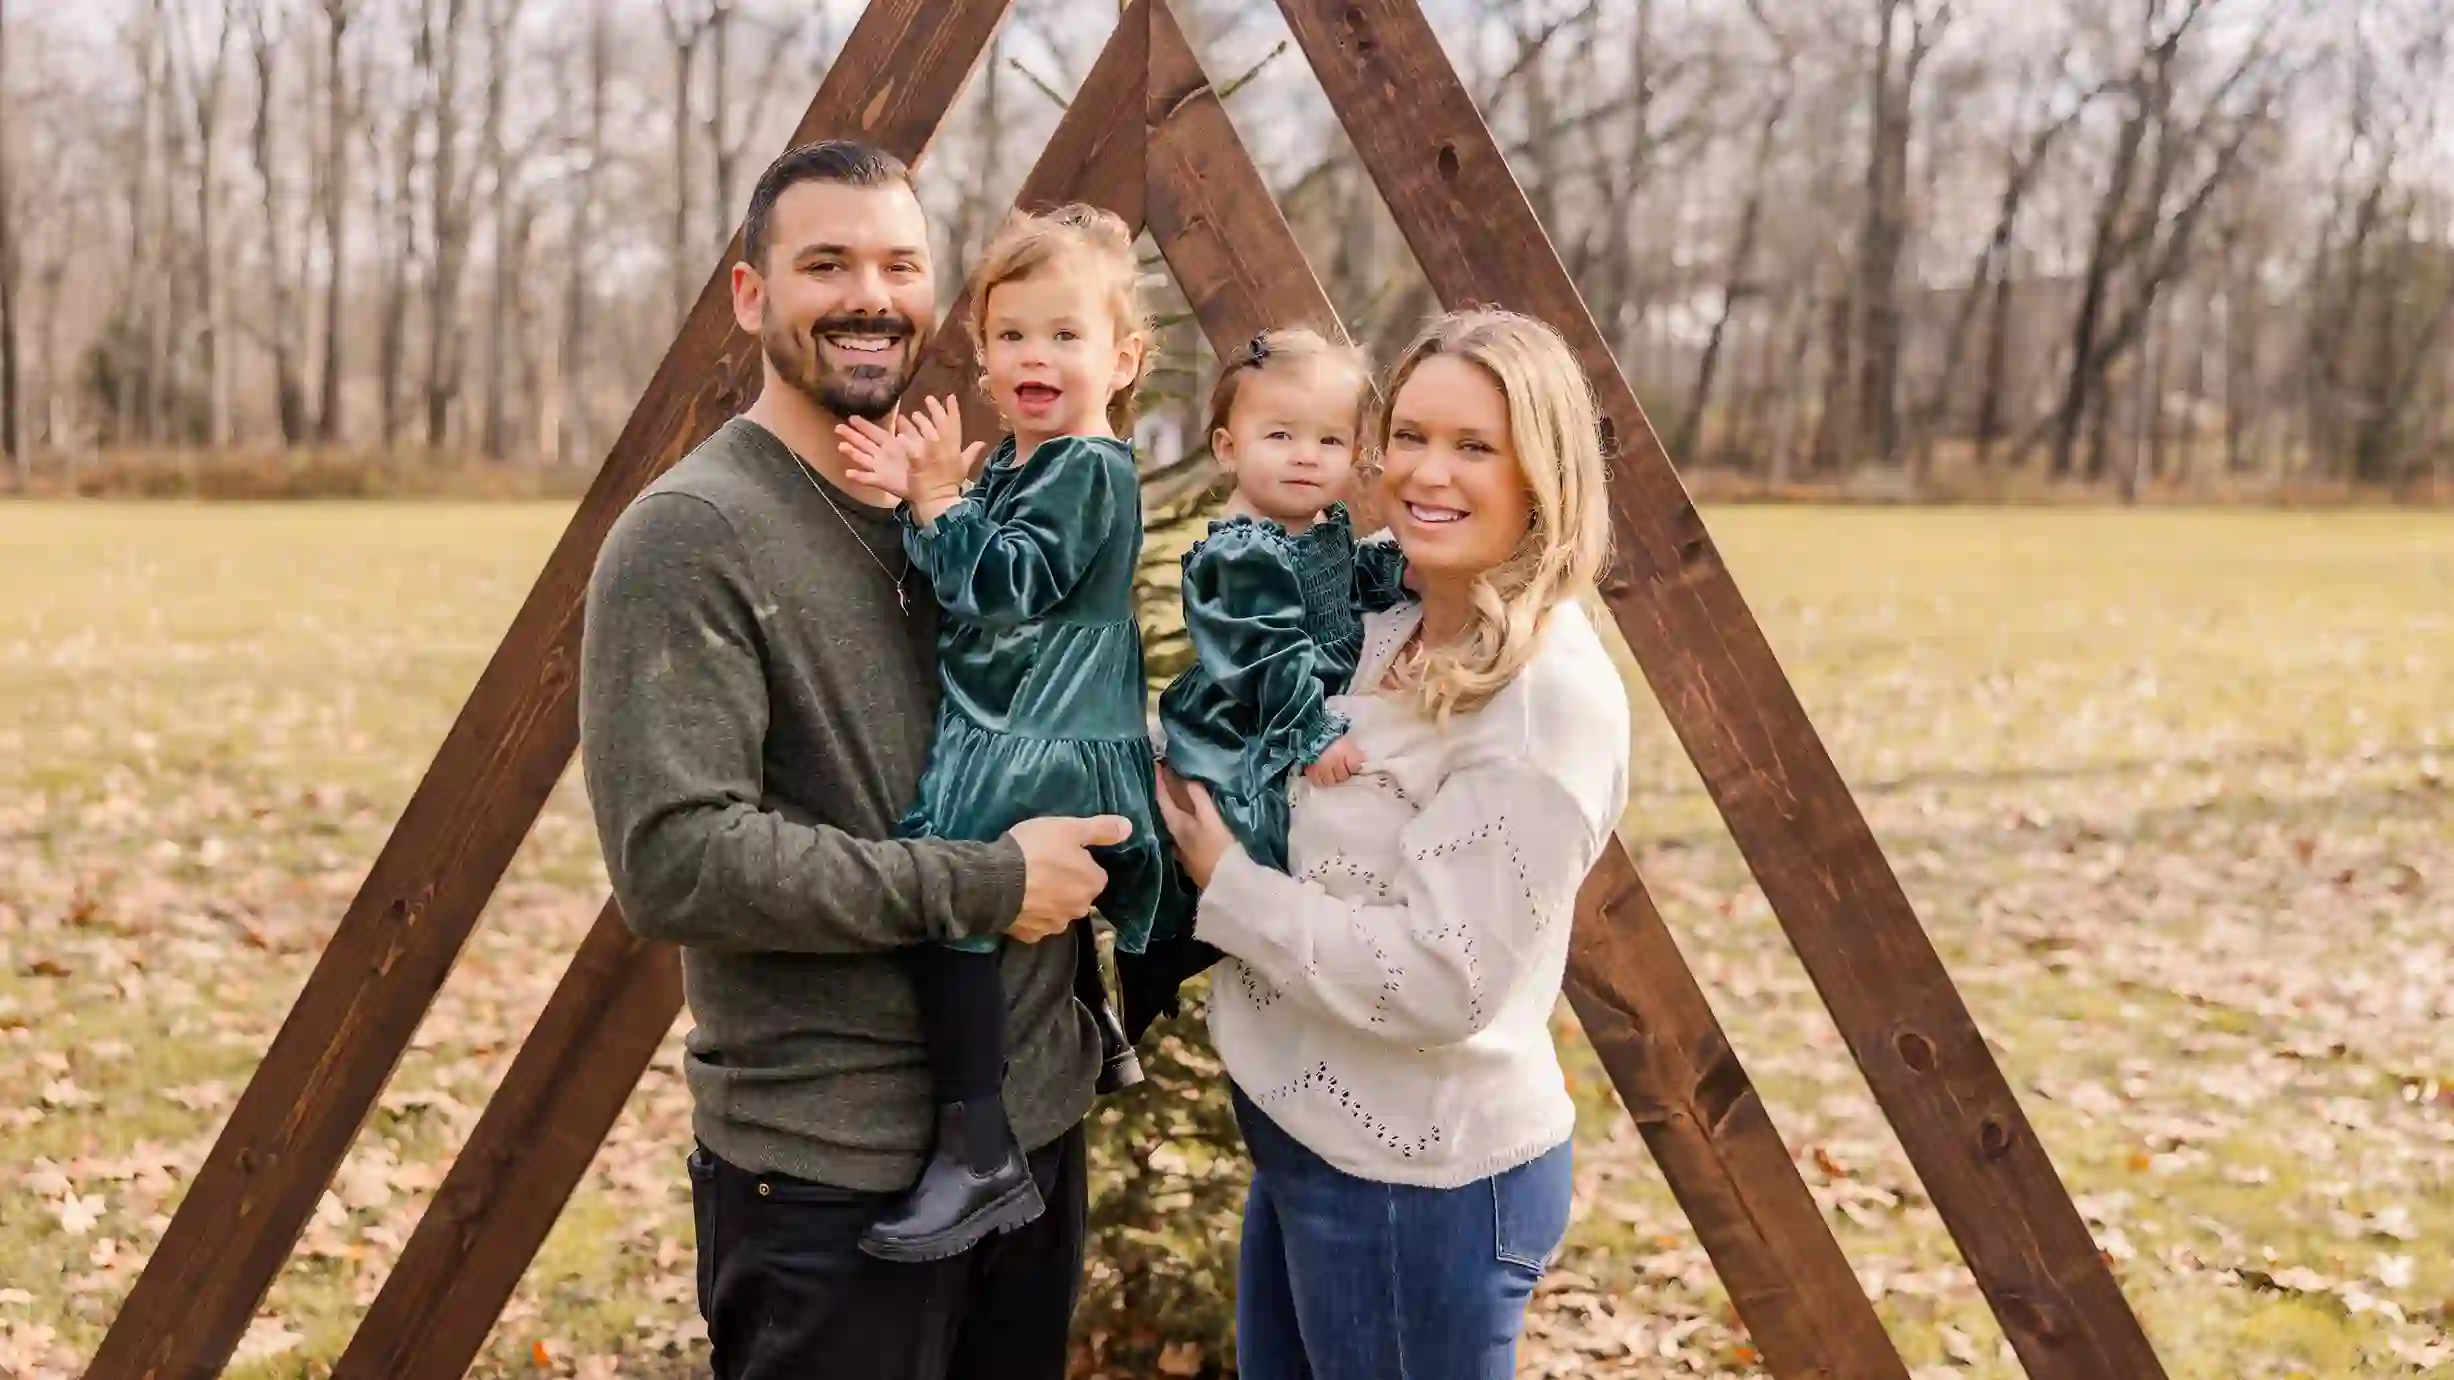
787, 1292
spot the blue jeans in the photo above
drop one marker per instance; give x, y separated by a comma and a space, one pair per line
1347, 1279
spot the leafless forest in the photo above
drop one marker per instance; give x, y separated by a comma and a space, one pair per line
2128, 245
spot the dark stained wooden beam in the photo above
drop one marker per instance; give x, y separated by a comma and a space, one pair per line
1240, 265
540, 1132
1479, 241
1212, 214
1725, 1162
901, 69
542, 1127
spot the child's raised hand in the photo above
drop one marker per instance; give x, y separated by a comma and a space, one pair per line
940, 460
1337, 765
876, 457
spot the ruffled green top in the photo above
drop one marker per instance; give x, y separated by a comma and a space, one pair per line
1276, 625
1044, 705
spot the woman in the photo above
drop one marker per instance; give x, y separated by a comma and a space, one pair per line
1384, 1015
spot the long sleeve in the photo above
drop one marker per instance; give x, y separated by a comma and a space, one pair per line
673, 719
1244, 612
1380, 576
1492, 862
1049, 523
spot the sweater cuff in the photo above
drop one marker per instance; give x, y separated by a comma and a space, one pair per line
989, 890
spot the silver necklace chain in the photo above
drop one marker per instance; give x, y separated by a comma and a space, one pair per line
810, 473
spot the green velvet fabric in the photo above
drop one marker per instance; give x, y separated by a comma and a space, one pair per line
1044, 710
1276, 624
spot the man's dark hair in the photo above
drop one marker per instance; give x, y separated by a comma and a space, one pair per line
842, 161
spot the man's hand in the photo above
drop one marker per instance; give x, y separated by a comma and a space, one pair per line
1060, 878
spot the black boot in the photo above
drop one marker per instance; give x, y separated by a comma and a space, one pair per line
977, 1181
1119, 1067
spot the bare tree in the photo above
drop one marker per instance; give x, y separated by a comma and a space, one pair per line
12, 433
204, 80
266, 19
451, 202
2148, 216
514, 218
577, 435
1738, 285
1862, 398
1990, 280
686, 25
332, 186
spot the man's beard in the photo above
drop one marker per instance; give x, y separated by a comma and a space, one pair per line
867, 391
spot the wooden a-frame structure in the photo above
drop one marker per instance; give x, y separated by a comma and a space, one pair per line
1180, 172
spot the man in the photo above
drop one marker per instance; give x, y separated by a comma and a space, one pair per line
757, 694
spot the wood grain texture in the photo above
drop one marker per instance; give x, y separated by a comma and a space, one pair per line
1479, 241
540, 1132
1212, 214
1240, 265
900, 70
541, 1129
1655, 1033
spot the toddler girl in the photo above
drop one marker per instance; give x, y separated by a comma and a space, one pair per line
1040, 666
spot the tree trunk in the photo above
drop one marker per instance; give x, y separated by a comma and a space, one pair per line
577, 440
686, 35
721, 153
510, 231
289, 394
12, 435
448, 206
204, 90
393, 342
1737, 285
2085, 367
1874, 427
335, 215
1997, 364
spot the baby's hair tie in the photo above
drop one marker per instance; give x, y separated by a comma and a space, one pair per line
1258, 351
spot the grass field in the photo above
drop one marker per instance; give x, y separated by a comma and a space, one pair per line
2170, 789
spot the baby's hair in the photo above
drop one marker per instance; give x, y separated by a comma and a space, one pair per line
1291, 347
1096, 239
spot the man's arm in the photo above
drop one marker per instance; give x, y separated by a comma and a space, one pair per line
673, 712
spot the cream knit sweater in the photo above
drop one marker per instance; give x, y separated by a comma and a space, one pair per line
1389, 1004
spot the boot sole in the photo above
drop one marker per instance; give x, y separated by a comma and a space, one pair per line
1016, 1210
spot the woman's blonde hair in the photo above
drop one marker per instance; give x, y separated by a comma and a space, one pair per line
1088, 237
1286, 347
1555, 427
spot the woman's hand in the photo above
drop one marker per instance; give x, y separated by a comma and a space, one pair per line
1202, 838
1338, 765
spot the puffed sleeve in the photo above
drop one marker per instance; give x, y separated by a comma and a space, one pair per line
1380, 576
1049, 528
1244, 610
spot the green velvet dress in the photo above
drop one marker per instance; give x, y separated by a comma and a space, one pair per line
1276, 622
1044, 708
